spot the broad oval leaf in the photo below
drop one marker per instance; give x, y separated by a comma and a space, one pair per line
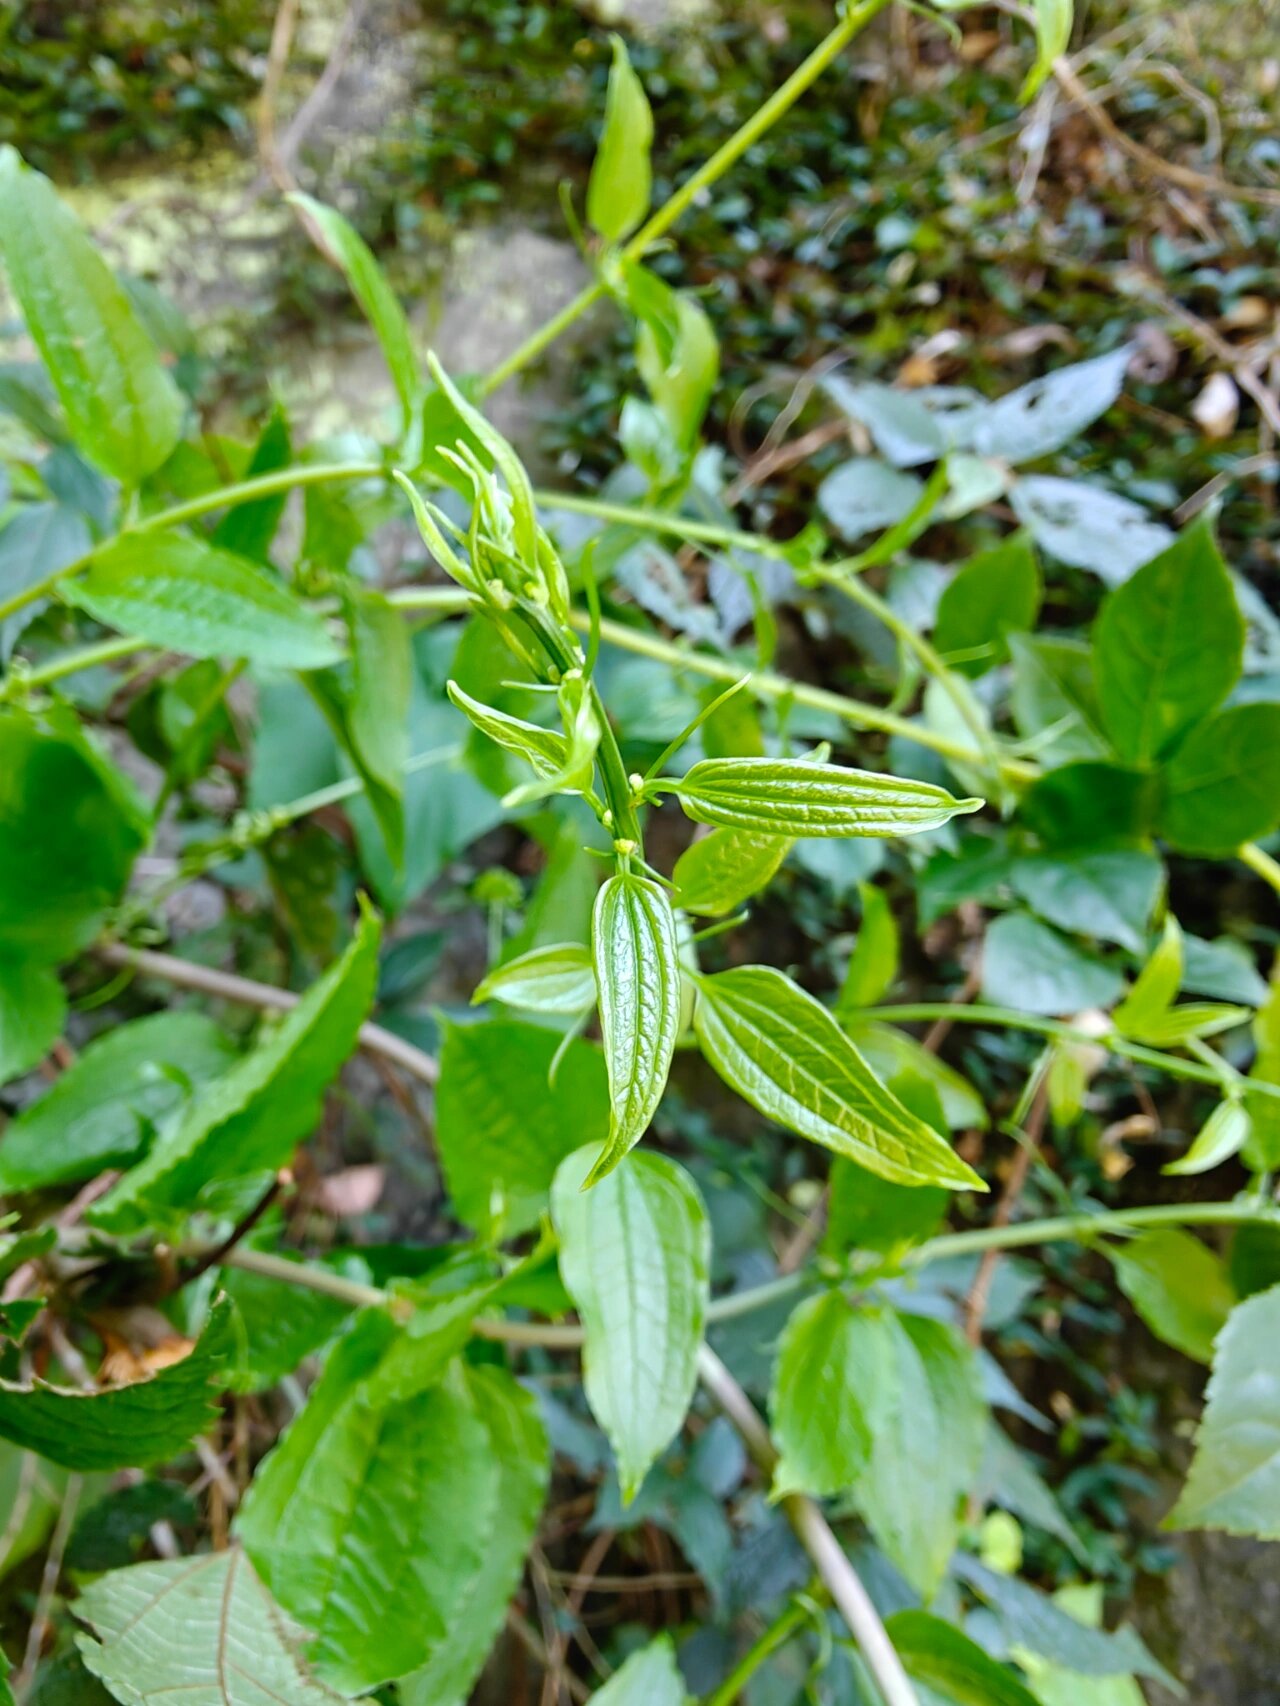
783, 1052
557, 979
173, 590
122, 1427
202, 1628
719, 871
122, 407
1234, 1483
635, 1255
831, 1360
1222, 785
636, 956
800, 797
1178, 1286
620, 185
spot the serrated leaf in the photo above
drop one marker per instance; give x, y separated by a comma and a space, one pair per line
501, 1129
1234, 1482
635, 1254
620, 185
122, 1427
718, 872
832, 1357
1167, 646
1178, 1286
378, 302
172, 589
943, 1657
996, 592
637, 965
873, 964
203, 1629
783, 1052
557, 979
799, 797
102, 1110
1222, 785
121, 406
33, 1009
251, 1118
650, 1677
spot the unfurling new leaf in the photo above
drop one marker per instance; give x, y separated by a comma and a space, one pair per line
799, 797
621, 179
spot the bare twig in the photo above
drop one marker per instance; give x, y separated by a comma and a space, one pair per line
48, 1587
277, 62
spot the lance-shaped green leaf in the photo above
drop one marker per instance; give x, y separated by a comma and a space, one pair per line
1234, 1482
1053, 37
173, 590
676, 350
546, 750
621, 177
874, 962
1148, 1002
557, 979
634, 948
122, 1427
1178, 1286
950, 1665
635, 1254
721, 870
378, 302
122, 407
251, 1118
799, 797
831, 1361
524, 519
582, 732
1223, 1134
783, 1052
202, 1629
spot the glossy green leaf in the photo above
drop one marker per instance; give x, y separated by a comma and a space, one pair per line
1053, 700
1222, 785
202, 1629
1027, 965
173, 590
635, 1254
1168, 646
831, 1359
102, 1110
798, 797
783, 1052
650, 1677
501, 1129
251, 1118
70, 827
1109, 894
378, 302
1178, 1286
874, 962
557, 979
33, 1009
122, 1426
637, 965
122, 407
995, 593
1234, 1482
718, 872
1156, 985
943, 1657
620, 185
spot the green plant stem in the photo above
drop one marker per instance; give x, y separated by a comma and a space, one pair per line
780, 1631
1261, 864
659, 223
1069, 1228
658, 521
965, 1013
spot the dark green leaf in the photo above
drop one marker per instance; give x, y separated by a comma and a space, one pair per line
874, 962
635, 1254
1254, 1262
1090, 805
1053, 690
719, 871
784, 1053
949, 1663
620, 184
123, 1426
1168, 646
798, 797
377, 720
282, 1325
1108, 894
247, 529
637, 967
995, 593
173, 590
33, 1009
123, 409
1222, 785
1027, 965
1178, 1286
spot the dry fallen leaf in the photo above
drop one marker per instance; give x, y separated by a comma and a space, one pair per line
1217, 408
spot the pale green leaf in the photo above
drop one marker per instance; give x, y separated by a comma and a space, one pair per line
1053, 37
635, 1254
172, 589
1168, 646
943, 1657
251, 1118
1222, 785
718, 872
831, 1360
524, 516
31, 1494
203, 1630
122, 1426
620, 185
555, 979
33, 1009
783, 1052
1027, 965
1148, 1002
650, 1677
1178, 1286
378, 302
582, 733
676, 350
1176, 1027
799, 797
122, 407
546, 750
874, 962
1053, 700
1234, 1483
892, 1054
863, 495
637, 967
1109, 894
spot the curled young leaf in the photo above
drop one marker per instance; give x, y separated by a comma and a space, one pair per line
638, 974
621, 177
1223, 1134
783, 1052
800, 797
581, 739
545, 749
